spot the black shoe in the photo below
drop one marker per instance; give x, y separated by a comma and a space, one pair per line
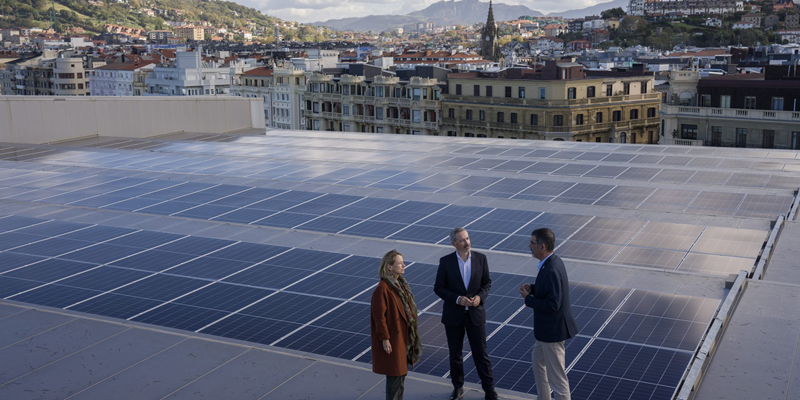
457, 394
492, 395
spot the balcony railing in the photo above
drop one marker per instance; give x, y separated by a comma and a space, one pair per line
681, 142
788, 116
553, 103
629, 124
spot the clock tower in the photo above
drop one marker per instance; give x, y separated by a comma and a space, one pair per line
490, 48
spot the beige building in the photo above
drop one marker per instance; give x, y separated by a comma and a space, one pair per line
70, 78
287, 98
189, 32
380, 104
560, 103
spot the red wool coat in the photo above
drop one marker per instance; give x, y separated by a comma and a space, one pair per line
388, 321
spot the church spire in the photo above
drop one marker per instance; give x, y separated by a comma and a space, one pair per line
490, 19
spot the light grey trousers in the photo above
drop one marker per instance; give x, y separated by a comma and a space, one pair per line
549, 370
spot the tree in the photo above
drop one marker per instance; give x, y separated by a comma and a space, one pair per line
614, 13
633, 25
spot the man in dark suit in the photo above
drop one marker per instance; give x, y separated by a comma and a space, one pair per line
463, 283
553, 322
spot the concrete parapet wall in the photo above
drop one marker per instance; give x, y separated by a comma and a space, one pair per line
44, 119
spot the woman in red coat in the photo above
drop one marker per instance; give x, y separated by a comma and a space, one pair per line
393, 326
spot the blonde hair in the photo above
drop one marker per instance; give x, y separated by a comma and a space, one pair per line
388, 259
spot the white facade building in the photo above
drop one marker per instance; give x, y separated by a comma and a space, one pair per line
189, 76
117, 79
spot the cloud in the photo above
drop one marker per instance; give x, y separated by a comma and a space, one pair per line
323, 10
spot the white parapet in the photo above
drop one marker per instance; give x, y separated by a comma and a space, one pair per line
45, 119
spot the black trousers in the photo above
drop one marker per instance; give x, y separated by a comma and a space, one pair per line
477, 342
394, 387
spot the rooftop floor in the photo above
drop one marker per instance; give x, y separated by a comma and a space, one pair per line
617, 228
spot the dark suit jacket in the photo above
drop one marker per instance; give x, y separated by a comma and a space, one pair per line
552, 313
449, 286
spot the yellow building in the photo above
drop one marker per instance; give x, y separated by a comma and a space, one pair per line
189, 32
558, 102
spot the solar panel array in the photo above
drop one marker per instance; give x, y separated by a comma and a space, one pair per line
557, 186
633, 344
669, 246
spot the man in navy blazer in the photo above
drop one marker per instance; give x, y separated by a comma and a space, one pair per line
463, 283
553, 322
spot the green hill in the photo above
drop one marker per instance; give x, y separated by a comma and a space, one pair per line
92, 17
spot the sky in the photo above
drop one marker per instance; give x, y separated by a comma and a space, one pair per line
323, 10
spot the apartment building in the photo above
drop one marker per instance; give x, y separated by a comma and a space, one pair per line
557, 102
368, 100
662, 8
28, 77
256, 83
288, 98
118, 79
189, 75
70, 77
745, 110
189, 32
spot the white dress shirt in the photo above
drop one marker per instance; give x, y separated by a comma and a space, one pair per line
465, 267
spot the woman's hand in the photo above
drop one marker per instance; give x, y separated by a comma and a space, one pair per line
387, 347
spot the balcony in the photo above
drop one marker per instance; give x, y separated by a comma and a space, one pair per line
653, 97
680, 142
732, 113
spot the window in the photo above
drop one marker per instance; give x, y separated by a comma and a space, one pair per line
346, 90
777, 103
741, 137
623, 137
571, 92
488, 91
627, 88
416, 94
481, 135
451, 133
609, 90
80, 86
705, 100
458, 92
724, 101
558, 120
513, 118
476, 90
643, 90
616, 116
768, 139
750, 102
598, 139
716, 136
795, 140
415, 116
379, 113
316, 107
534, 119
508, 91
451, 113
469, 115
599, 118
521, 92
688, 131
633, 137
590, 92
482, 115
579, 119
634, 114
345, 110
500, 117
468, 134
541, 93
651, 112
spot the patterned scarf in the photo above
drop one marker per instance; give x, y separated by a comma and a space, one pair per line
414, 345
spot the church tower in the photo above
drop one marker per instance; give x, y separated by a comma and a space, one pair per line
490, 48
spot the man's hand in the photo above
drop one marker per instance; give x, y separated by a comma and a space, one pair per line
475, 301
525, 290
387, 347
463, 301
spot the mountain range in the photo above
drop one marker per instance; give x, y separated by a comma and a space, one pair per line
463, 12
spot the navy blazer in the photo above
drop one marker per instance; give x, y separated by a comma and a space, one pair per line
553, 320
449, 285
